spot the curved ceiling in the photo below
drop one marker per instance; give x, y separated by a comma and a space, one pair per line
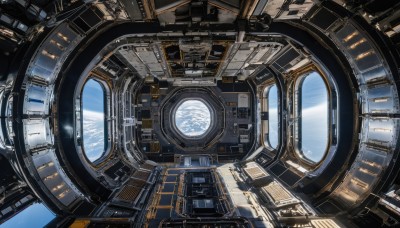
321, 149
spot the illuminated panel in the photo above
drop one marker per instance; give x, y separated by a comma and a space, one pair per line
41, 73
54, 179
380, 99
36, 99
37, 133
52, 53
380, 132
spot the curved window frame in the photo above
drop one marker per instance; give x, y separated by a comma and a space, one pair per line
266, 123
107, 124
300, 76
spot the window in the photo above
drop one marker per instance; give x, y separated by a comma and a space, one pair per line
312, 107
93, 120
35, 215
273, 121
193, 118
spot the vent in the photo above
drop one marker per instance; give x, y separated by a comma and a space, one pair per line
128, 193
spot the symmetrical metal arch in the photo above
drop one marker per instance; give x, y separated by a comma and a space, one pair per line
41, 124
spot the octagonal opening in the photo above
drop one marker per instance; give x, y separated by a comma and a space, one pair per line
193, 118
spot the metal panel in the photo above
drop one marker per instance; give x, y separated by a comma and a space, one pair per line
235, 66
244, 58
287, 58
365, 60
237, 62
88, 20
380, 131
372, 160
156, 68
52, 53
273, 7
323, 19
133, 10
324, 223
265, 53
133, 60
380, 99
37, 133
241, 55
379, 135
296, 10
362, 54
363, 176
374, 74
142, 59
230, 72
243, 100
36, 100
53, 177
149, 58
260, 7
45, 61
41, 72
278, 195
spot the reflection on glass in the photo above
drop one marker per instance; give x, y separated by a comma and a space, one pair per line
93, 120
273, 117
36, 215
192, 118
314, 117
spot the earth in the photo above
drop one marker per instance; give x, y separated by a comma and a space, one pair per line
193, 118
93, 134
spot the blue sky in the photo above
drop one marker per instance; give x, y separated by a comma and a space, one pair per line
273, 116
314, 92
93, 119
93, 96
314, 117
36, 215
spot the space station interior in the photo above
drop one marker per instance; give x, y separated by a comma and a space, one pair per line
203, 113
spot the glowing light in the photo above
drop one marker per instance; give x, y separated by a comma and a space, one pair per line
357, 43
51, 176
349, 37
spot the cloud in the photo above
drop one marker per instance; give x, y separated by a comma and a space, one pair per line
319, 110
315, 131
193, 118
93, 134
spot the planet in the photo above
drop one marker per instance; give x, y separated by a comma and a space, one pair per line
93, 124
93, 134
193, 118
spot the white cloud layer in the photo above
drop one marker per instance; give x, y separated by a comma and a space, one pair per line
93, 134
